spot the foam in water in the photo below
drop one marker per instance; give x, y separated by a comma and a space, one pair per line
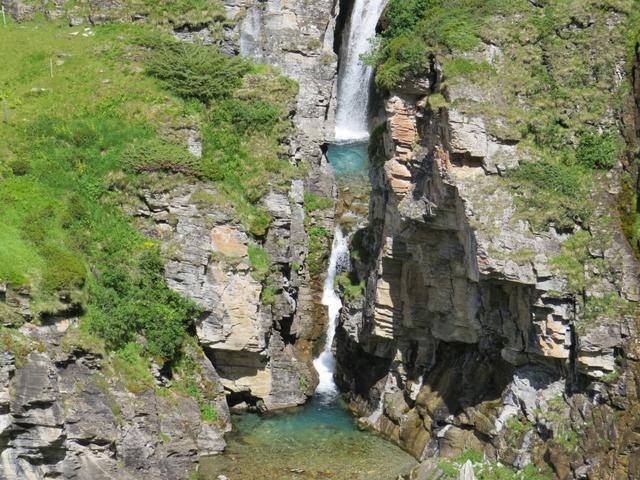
325, 364
355, 77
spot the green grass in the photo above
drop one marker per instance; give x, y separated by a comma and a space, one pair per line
245, 122
611, 376
132, 367
486, 470
574, 253
77, 143
268, 296
259, 261
319, 250
313, 203
630, 216
17, 344
174, 12
550, 192
351, 287
190, 380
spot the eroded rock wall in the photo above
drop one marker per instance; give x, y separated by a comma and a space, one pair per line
467, 326
63, 414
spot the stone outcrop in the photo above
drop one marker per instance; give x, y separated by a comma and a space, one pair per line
250, 342
467, 325
64, 414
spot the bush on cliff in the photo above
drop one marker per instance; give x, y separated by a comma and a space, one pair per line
194, 71
246, 119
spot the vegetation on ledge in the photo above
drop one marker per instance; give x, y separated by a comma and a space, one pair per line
83, 127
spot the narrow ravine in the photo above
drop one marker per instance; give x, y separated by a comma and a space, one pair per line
320, 439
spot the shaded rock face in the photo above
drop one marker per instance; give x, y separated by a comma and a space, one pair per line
466, 326
63, 416
251, 343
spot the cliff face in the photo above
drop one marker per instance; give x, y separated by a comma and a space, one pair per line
64, 410
65, 414
471, 335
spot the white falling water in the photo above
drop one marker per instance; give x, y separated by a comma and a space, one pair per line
325, 364
355, 76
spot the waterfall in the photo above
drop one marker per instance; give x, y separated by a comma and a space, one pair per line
355, 77
325, 364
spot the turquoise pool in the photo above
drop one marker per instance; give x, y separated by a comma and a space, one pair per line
312, 442
349, 159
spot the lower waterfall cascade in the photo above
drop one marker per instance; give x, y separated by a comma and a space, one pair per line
325, 363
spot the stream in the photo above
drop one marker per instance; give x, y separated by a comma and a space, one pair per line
320, 440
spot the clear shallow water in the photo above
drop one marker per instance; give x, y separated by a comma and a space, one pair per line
349, 159
317, 441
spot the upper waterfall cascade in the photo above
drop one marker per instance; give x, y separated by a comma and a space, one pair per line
354, 76
325, 363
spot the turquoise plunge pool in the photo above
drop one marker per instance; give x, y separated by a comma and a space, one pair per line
316, 441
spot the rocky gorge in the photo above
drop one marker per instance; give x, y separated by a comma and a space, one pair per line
469, 323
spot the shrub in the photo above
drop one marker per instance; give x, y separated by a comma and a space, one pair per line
196, 71
123, 304
64, 271
246, 115
352, 288
404, 56
599, 150
155, 155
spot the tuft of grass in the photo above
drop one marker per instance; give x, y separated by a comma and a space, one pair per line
268, 296
313, 202
319, 250
155, 154
260, 262
130, 364
570, 263
611, 376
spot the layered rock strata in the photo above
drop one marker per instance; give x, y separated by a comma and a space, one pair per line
64, 414
468, 328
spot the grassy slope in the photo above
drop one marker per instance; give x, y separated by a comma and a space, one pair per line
80, 132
